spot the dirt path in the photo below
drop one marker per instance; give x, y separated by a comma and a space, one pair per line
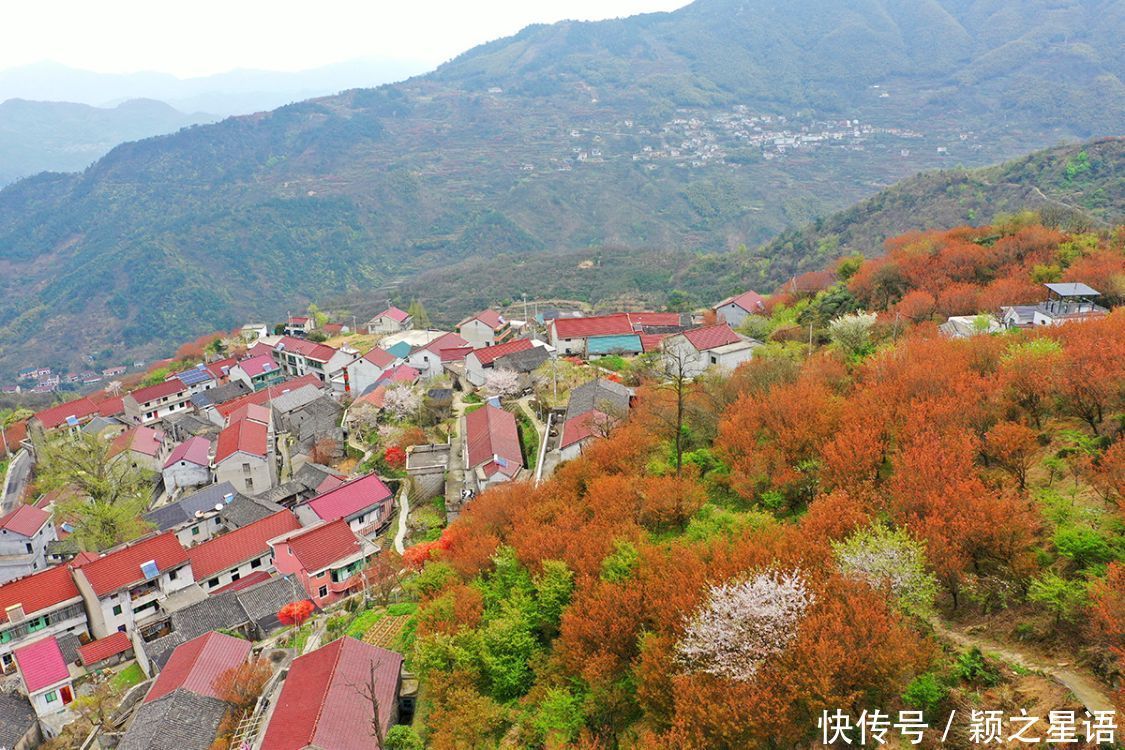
1085, 688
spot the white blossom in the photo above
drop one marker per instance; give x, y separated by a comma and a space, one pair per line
502, 383
402, 402
852, 332
889, 559
743, 623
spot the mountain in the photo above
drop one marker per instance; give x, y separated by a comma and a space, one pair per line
1075, 186
235, 92
66, 137
702, 130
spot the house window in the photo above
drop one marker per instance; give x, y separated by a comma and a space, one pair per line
213, 583
37, 624
120, 628
256, 563
195, 531
28, 545
323, 592
245, 468
172, 574
6, 636
52, 696
116, 610
250, 484
235, 576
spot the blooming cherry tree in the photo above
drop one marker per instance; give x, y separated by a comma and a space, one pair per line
889, 559
502, 383
743, 623
402, 402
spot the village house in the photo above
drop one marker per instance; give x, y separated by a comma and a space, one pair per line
308, 416
735, 310
244, 456
182, 709
45, 675
44, 603
300, 325
251, 332
325, 558
70, 415
319, 707
568, 336
492, 445
127, 584
486, 328
19, 724
1065, 303
299, 357
479, 361
365, 371
690, 353
431, 358
593, 409
197, 379
147, 406
197, 517
964, 326
105, 652
141, 446
391, 320
188, 465
366, 504
257, 372
25, 533
235, 555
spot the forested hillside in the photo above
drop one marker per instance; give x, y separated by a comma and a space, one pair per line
716, 126
832, 508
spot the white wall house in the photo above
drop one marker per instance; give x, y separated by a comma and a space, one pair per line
391, 320
734, 310
690, 353
486, 328
189, 465
45, 676
297, 357
235, 555
24, 534
42, 604
147, 406
366, 370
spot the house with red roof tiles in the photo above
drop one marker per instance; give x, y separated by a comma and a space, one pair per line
70, 414
492, 445
479, 361
319, 705
41, 604
188, 465
486, 328
126, 585
149, 405
45, 675
568, 335
692, 352
367, 505
430, 359
25, 532
325, 558
198, 664
106, 652
391, 320
299, 357
366, 371
141, 446
244, 456
220, 413
236, 554
257, 372
736, 309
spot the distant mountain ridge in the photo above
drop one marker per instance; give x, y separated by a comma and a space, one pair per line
698, 131
40, 136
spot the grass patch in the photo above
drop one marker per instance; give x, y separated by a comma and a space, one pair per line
363, 622
529, 438
128, 677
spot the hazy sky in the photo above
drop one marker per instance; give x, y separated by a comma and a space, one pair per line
211, 36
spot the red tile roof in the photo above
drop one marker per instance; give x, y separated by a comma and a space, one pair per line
238, 546
13, 436
319, 705
112, 407
258, 365
38, 591
380, 357
491, 433
490, 318
245, 435
444, 341
266, 395
319, 546
25, 520
41, 664
642, 319
160, 390
376, 397
585, 425
455, 354
79, 408
221, 368
195, 450
103, 648
751, 302
350, 498
711, 337
253, 412
260, 348
650, 342
304, 347
400, 374
197, 665
601, 325
122, 567
489, 354
144, 440
394, 314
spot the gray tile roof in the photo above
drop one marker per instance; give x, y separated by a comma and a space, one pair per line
601, 395
262, 601
221, 394
17, 717
216, 612
524, 361
68, 645
293, 400
180, 720
159, 650
244, 511
312, 475
283, 493
172, 515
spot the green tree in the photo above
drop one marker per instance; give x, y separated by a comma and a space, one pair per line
891, 559
402, 737
418, 311
559, 718
110, 492
1061, 596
